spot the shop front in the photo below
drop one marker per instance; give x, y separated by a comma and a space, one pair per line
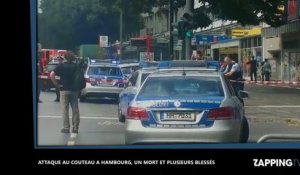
250, 47
223, 48
291, 57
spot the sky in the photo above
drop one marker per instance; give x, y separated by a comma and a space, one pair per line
39, 3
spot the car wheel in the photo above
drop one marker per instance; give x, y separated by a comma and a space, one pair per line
245, 131
121, 117
82, 99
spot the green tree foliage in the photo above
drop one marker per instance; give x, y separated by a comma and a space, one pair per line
66, 24
246, 12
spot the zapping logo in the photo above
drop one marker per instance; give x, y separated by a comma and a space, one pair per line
276, 162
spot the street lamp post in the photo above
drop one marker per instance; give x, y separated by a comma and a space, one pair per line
171, 16
121, 31
188, 40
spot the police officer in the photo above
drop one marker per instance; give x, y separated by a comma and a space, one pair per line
234, 73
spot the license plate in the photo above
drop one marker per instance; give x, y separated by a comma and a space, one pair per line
104, 83
182, 116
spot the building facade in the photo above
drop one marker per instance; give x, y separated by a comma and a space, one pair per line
282, 46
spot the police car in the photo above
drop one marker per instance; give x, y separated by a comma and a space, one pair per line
45, 79
186, 106
131, 88
182, 64
148, 64
106, 78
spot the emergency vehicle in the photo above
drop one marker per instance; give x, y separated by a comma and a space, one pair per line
50, 58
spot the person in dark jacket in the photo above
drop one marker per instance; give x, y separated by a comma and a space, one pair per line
68, 92
253, 69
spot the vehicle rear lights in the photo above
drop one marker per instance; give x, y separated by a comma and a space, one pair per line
137, 113
88, 80
221, 113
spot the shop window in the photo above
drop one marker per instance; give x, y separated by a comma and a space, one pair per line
248, 43
255, 41
259, 41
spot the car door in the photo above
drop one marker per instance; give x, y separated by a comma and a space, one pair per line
237, 103
129, 92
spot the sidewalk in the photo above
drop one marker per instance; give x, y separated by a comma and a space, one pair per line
274, 83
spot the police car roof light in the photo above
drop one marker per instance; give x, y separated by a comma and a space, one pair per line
188, 69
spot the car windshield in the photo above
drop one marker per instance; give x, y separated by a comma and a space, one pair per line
127, 70
104, 71
182, 86
144, 76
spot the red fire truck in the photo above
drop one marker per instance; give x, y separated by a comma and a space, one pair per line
49, 60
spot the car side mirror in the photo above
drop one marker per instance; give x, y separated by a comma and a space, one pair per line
243, 94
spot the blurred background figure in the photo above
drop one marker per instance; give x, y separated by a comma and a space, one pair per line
267, 70
60, 61
253, 69
196, 55
262, 71
39, 69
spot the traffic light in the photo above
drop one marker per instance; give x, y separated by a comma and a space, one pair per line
189, 34
184, 27
282, 12
181, 29
188, 25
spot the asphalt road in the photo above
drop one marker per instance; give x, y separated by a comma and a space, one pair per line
268, 110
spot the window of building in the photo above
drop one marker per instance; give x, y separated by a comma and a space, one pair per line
248, 43
255, 41
259, 41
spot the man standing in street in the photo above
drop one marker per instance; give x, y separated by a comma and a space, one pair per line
68, 92
253, 69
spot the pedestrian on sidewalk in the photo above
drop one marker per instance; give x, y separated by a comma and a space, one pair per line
262, 71
253, 69
69, 87
267, 70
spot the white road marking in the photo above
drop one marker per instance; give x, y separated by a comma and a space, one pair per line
275, 106
71, 143
73, 135
95, 118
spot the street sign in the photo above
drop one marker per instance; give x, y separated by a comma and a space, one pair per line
103, 41
143, 56
131, 48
